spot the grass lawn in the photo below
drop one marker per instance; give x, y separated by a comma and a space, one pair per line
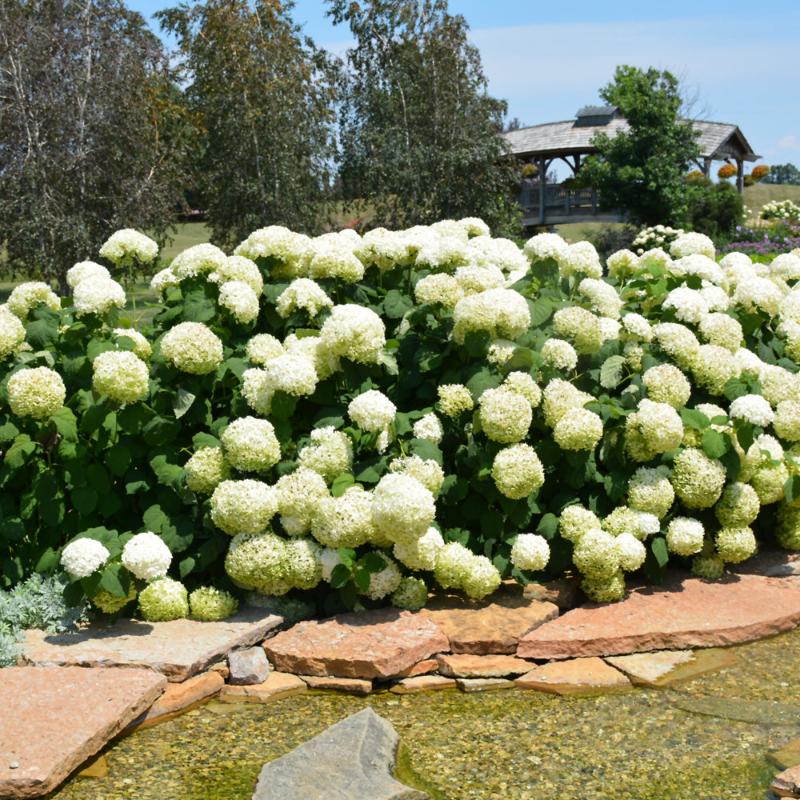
756, 196
186, 235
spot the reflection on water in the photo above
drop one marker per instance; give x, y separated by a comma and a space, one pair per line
703, 738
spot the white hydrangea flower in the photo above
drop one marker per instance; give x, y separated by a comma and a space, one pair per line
97, 296
700, 266
263, 347
12, 332
581, 326
25, 297
192, 347
622, 263
411, 594
677, 341
240, 300
596, 555
84, 270
443, 252
481, 579
128, 245
787, 420
354, 332
82, 557
502, 253
402, 508
758, 294
558, 397
330, 452
650, 490
385, 582
332, 256
250, 444
425, 470
238, 268
685, 536
146, 556
197, 260
260, 561
289, 249
735, 545
420, 554
632, 552
206, 469
438, 287
121, 376
243, 506
654, 428
162, 280
738, 506
524, 384
610, 329
576, 521
503, 313
163, 600
752, 408
37, 392
580, 258
578, 429
716, 297
544, 246
293, 374
722, 330
141, 346
505, 416
603, 297
454, 399
697, 479
713, 366
344, 521
530, 552
667, 384
500, 352
372, 411
688, 304
559, 354
428, 427
305, 294
258, 390
690, 243
474, 279
517, 471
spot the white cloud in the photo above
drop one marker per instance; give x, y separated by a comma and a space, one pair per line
789, 142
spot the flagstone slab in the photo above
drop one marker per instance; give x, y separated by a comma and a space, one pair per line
470, 685
466, 665
180, 697
348, 685
178, 649
422, 683
494, 626
669, 666
578, 676
275, 687
54, 718
424, 667
680, 614
787, 783
371, 644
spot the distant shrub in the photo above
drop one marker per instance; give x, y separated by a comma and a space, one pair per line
715, 210
610, 238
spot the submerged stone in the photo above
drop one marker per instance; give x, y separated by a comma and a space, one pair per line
422, 683
787, 756
578, 676
763, 712
351, 760
349, 685
276, 686
180, 697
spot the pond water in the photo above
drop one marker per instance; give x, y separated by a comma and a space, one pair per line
707, 737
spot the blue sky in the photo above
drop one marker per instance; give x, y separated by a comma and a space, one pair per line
547, 60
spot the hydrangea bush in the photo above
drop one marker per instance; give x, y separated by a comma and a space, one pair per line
355, 420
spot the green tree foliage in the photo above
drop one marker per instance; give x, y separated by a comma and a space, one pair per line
421, 137
264, 100
714, 208
783, 173
642, 170
91, 128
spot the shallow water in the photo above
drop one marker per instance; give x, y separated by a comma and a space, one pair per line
704, 738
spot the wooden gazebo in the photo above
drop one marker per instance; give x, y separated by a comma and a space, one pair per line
571, 140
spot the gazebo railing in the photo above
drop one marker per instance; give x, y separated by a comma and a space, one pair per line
560, 200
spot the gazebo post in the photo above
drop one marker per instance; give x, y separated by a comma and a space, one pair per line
740, 175
707, 166
542, 181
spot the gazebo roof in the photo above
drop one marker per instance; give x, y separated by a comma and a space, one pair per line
717, 140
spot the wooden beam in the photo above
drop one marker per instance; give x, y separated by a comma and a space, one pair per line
542, 181
740, 175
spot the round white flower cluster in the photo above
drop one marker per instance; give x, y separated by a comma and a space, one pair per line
456, 567
578, 429
688, 244
146, 556
439, 287
544, 246
697, 479
355, 333
420, 553
86, 270
127, 246
38, 392
163, 600
602, 296
206, 469
27, 296
454, 399
262, 348
250, 445
209, 604
429, 427
372, 411
288, 249
299, 495
402, 508
652, 429
192, 347
240, 300
411, 594
163, 280
581, 326
530, 552
580, 258
329, 452
667, 384
505, 416
385, 582
141, 346
332, 256
302, 294
560, 396
121, 376
559, 354
425, 470
523, 384
517, 471
197, 260
752, 408
685, 536
650, 490
244, 506
97, 296
344, 521
12, 332
290, 373
238, 268
502, 313
82, 557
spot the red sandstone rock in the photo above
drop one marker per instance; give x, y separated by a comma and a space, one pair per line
54, 718
276, 686
787, 783
371, 644
483, 684
564, 592
180, 697
423, 667
579, 676
494, 626
466, 665
179, 649
422, 683
667, 666
681, 614
349, 685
